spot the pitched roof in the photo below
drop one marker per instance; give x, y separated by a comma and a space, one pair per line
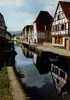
2, 22
27, 27
44, 17
66, 8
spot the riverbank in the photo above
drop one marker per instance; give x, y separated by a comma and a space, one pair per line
5, 91
16, 89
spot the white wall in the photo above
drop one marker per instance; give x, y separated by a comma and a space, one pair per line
34, 34
62, 20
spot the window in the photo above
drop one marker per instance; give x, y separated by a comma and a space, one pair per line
58, 17
56, 28
62, 27
59, 27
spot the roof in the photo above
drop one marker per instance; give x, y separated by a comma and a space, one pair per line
44, 17
2, 22
27, 27
66, 8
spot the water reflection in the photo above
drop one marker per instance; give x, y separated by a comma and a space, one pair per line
32, 78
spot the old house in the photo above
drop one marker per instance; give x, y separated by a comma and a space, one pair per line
5, 43
23, 35
5, 36
27, 33
42, 27
61, 25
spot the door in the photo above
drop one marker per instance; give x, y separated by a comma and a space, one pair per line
67, 44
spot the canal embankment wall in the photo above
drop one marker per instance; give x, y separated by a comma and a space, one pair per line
38, 48
49, 54
16, 89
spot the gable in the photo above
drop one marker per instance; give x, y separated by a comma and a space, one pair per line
59, 14
44, 17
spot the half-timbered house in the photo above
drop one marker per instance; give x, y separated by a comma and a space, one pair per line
61, 25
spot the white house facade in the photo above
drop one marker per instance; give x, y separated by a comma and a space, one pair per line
61, 25
34, 34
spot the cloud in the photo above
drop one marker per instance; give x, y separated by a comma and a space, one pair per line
11, 2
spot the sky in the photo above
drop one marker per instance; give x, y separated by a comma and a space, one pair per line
18, 13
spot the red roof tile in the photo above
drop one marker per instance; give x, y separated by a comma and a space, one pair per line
66, 8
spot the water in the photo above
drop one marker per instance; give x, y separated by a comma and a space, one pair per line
38, 86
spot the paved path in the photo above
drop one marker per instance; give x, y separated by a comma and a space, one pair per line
16, 90
50, 48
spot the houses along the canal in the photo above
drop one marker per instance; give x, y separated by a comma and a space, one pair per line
53, 54
61, 25
42, 27
40, 30
27, 33
49, 41
46, 44
6, 46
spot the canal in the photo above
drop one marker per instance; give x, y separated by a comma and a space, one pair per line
38, 86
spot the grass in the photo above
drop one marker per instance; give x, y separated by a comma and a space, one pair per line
5, 93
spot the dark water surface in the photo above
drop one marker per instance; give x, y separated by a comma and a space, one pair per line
39, 87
